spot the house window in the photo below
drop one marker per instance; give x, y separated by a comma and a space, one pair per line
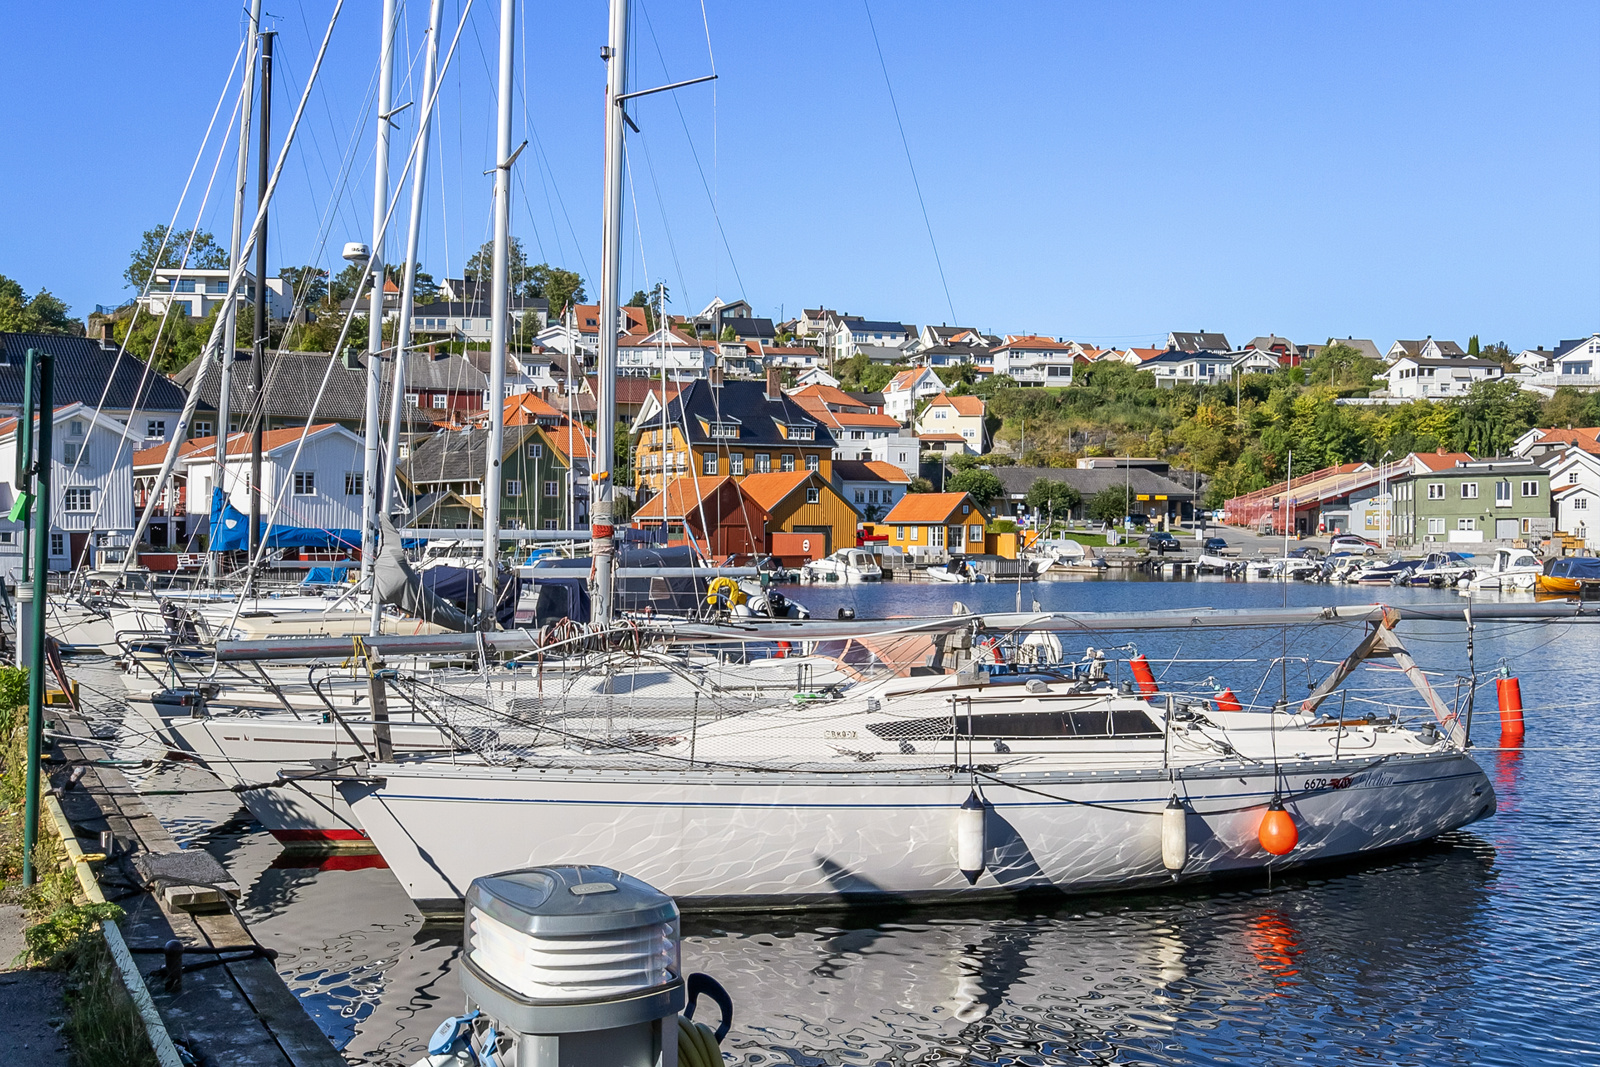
724, 429
803, 433
708, 464
974, 533
156, 428
550, 524
813, 463
1469, 490
936, 536
70, 451
535, 450
916, 533
202, 429
861, 497
786, 463
1466, 524
872, 497
1435, 490
763, 463
414, 399
440, 400
185, 285
58, 544
75, 428
5, 537
78, 500
353, 483
736, 463
1572, 478
1580, 503
812, 495
900, 533
1502, 493
1436, 526
552, 488
305, 483
513, 487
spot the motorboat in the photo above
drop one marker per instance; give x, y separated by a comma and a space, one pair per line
958, 570
1510, 569
1573, 575
1443, 570
847, 565
938, 788
1392, 572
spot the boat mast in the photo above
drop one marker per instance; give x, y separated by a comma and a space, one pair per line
499, 316
258, 354
601, 545
230, 331
408, 284
380, 202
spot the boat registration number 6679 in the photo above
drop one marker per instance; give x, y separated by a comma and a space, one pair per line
1330, 783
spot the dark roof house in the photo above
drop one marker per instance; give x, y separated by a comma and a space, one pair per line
83, 369
293, 380
762, 417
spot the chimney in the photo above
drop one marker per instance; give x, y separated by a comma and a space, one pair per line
108, 339
774, 383
714, 375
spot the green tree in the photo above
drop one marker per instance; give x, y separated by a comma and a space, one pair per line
343, 286
1492, 415
308, 285
919, 485
1472, 345
984, 486
559, 286
1109, 505
555, 284
727, 334
39, 313
151, 255
1046, 495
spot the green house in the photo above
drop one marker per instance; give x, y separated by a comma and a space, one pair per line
1473, 501
543, 484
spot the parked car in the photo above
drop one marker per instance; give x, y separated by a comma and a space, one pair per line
1138, 521
1353, 543
1162, 542
1213, 546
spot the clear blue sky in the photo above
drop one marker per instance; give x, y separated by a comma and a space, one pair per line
1105, 172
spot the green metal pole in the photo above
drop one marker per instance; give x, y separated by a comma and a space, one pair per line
25, 458
41, 570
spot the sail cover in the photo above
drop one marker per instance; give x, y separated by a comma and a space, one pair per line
230, 531
443, 595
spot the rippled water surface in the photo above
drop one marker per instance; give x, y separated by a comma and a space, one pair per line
1482, 948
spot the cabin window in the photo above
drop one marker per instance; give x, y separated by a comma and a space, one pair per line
813, 463
1435, 490
763, 463
736, 463
812, 495
1469, 490
1106, 722
786, 463
78, 500
305, 483
354, 483
708, 464
552, 488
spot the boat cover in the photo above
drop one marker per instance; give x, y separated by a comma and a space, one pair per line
638, 594
1578, 568
230, 531
439, 595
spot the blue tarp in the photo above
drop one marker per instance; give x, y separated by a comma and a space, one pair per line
324, 575
230, 531
459, 586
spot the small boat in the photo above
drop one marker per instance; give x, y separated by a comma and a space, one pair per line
848, 565
1442, 569
1578, 575
1511, 568
1393, 572
1209, 564
957, 570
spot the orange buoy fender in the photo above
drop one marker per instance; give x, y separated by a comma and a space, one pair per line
783, 649
1509, 690
1226, 701
1141, 674
1278, 833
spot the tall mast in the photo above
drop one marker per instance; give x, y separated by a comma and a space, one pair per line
258, 354
408, 286
602, 546
380, 203
230, 331
499, 316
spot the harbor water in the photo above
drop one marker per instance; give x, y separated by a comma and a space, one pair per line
1477, 949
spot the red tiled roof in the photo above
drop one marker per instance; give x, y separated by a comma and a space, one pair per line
905, 379
1146, 354
927, 507
680, 497
238, 445
1440, 461
523, 408
770, 490
964, 405
828, 394
942, 437
1031, 341
857, 470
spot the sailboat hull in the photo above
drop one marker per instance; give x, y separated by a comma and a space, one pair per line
727, 840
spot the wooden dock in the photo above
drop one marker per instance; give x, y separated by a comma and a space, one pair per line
237, 1011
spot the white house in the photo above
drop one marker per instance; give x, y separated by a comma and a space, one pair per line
195, 292
1032, 360
1253, 361
871, 485
1575, 491
906, 390
902, 450
849, 333
322, 491
647, 355
1427, 348
1422, 377
456, 320
91, 489
1178, 367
